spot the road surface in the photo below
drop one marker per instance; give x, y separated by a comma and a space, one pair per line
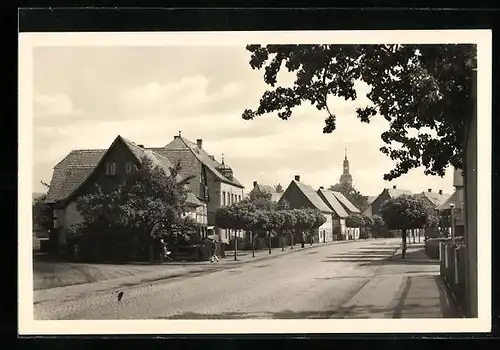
321, 282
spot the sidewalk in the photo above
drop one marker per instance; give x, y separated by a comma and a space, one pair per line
151, 273
404, 294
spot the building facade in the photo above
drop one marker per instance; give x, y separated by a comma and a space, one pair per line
81, 171
301, 196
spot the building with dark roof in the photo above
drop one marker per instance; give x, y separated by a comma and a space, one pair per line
387, 193
299, 195
78, 173
257, 187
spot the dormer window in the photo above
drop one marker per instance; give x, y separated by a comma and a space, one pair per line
130, 167
111, 169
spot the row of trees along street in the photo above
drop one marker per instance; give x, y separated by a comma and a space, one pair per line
262, 218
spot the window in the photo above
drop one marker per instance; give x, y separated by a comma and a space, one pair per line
239, 198
232, 198
223, 198
111, 169
129, 167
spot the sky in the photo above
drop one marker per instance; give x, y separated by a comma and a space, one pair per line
85, 96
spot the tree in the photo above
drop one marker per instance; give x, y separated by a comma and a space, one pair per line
279, 189
276, 222
368, 223
150, 203
378, 227
412, 87
405, 213
355, 221
352, 194
42, 213
289, 223
316, 220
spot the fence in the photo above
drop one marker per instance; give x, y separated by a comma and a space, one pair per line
452, 269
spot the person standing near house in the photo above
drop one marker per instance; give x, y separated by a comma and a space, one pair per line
215, 248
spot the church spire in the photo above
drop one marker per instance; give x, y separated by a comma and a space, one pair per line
346, 176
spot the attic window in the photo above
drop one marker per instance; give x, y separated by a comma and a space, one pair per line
111, 168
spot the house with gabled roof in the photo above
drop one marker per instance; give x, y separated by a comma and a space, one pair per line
217, 178
78, 173
299, 195
368, 211
339, 213
387, 193
261, 188
346, 203
434, 198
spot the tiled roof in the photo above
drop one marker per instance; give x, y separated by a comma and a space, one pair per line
180, 143
394, 193
435, 198
333, 203
451, 200
70, 173
345, 202
313, 197
275, 196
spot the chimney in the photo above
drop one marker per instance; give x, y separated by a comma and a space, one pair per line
321, 188
297, 178
440, 191
141, 146
255, 184
429, 190
177, 136
212, 157
199, 143
394, 187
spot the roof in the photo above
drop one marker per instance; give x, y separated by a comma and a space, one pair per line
451, 200
275, 196
435, 198
70, 173
333, 203
180, 143
371, 199
394, 193
312, 196
345, 202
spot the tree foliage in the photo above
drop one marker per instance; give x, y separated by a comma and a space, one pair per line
354, 220
352, 194
42, 213
407, 212
150, 202
411, 86
279, 189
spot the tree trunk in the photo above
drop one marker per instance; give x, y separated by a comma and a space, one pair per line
291, 239
403, 251
270, 241
282, 243
253, 244
235, 246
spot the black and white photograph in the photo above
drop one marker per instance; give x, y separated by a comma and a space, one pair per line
317, 182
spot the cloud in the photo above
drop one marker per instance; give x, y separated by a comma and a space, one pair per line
55, 105
186, 96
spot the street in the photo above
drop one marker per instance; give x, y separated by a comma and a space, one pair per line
345, 280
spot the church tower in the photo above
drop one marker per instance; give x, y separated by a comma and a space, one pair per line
346, 177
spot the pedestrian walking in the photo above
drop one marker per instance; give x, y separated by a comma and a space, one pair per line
165, 253
215, 246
